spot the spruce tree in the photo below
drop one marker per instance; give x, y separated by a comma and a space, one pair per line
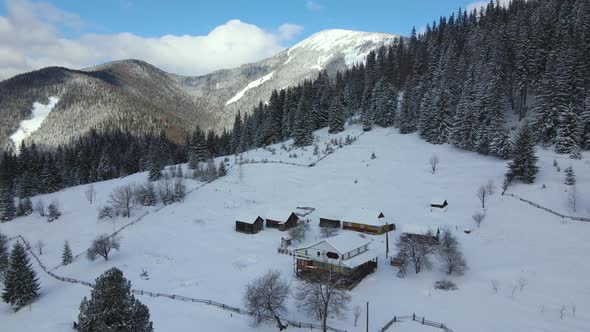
4, 254
7, 207
66, 255
568, 138
154, 172
20, 285
112, 307
524, 163
53, 212
25, 206
149, 195
222, 170
570, 176
336, 119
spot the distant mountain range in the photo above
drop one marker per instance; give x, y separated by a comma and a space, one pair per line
137, 97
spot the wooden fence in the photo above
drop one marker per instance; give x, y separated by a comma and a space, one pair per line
163, 295
563, 216
414, 318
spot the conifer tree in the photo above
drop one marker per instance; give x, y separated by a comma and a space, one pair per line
20, 285
302, 131
53, 212
336, 119
524, 163
570, 176
568, 132
4, 256
7, 207
66, 255
112, 307
25, 207
154, 172
222, 170
149, 195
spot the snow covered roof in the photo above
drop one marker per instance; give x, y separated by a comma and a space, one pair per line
278, 214
343, 243
368, 218
248, 218
416, 229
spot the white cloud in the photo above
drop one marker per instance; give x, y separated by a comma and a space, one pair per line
30, 39
312, 6
482, 4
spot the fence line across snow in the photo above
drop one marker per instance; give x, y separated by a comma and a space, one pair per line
164, 295
414, 318
548, 210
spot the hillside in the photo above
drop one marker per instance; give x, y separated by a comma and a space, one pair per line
191, 248
136, 97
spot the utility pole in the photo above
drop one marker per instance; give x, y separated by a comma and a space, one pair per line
386, 240
367, 316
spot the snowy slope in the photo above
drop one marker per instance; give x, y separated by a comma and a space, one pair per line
191, 248
29, 126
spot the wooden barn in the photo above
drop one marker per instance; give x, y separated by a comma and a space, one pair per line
439, 203
368, 224
282, 224
329, 222
250, 225
347, 254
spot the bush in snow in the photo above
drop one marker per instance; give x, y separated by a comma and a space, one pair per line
445, 285
106, 212
53, 212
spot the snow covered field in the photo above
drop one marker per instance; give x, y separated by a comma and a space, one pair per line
191, 248
27, 127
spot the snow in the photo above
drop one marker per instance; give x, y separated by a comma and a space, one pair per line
345, 242
29, 126
190, 248
348, 42
250, 85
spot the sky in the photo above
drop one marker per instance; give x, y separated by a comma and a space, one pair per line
189, 37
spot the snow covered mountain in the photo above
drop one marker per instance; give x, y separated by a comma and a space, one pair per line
135, 96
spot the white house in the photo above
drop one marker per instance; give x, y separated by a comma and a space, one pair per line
347, 253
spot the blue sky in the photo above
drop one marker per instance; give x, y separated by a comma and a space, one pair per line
189, 37
153, 18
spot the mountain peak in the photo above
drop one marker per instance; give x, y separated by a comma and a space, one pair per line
338, 38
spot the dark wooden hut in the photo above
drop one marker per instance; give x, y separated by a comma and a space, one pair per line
250, 226
283, 225
332, 223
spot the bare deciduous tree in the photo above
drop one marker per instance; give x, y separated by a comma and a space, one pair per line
321, 295
416, 249
329, 231
482, 195
491, 187
450, 253
495, 286
265, 297
357, 314
298, 232
433, 163
102, 246
478, 217
40, 207
90, 194
122, 199
39, 246
572, 197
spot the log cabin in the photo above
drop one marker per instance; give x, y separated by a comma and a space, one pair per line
250, 225
369, 224
282, 224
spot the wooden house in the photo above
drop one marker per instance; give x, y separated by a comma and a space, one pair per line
329, 222
369, 224
282, 224
347, 254
439, 203
250, 225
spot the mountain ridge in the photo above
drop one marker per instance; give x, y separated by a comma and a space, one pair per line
134, 95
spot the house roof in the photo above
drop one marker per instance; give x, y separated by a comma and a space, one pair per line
369, 219
343, 243
417, 229
437, 200
279, 215
248, 218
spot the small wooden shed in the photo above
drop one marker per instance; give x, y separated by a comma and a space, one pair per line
250, 225
329, 222
439, 203
283, 225
369, 224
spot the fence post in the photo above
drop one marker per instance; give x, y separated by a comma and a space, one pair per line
413, 316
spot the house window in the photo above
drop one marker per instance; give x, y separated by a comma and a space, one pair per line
319, 253
306, 251
332, 255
